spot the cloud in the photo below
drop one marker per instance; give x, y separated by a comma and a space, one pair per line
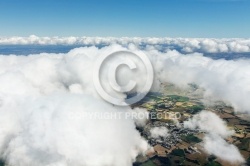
213, 141
186, 45
50, 114
209, 122
225, 80
53, 130
45, 99
157, 132
217, 146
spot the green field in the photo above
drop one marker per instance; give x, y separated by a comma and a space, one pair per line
191, 138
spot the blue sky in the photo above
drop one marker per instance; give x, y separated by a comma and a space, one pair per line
143, 18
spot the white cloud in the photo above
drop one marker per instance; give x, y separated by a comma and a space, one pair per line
53, 129
217, 146
39, 93
213, 142
157, 132
202, 45
209, 122
44, 102
226, 80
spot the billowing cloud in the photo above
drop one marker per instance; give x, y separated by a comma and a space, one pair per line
45, 99
50, 114
226, 80
213, 144
62, 129
216, 130
209, 122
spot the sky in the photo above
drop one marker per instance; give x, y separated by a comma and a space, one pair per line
119, 18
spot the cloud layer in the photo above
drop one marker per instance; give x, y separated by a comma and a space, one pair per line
44, 99
186, 45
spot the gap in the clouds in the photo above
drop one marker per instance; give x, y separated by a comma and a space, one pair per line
228, 56
37, 49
